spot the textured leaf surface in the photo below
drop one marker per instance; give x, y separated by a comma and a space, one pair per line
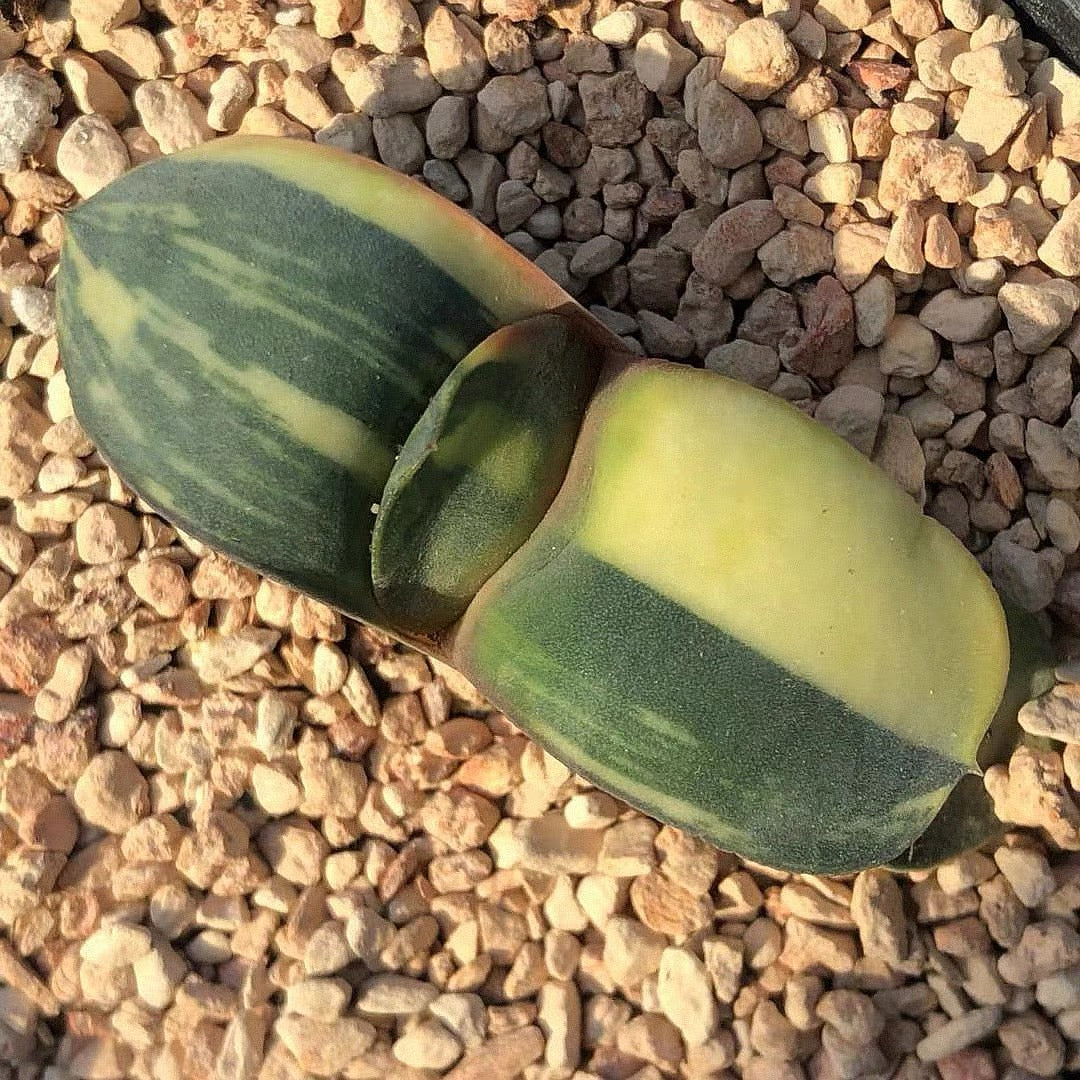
250, 331
967, 819
741, 625
479, 470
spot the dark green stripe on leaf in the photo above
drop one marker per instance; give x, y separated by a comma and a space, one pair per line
691, 724
479, 470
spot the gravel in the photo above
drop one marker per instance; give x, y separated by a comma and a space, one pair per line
243, 837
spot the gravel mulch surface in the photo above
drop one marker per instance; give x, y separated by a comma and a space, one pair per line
242, 838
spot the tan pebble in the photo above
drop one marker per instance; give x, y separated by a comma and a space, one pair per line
503, 1057
661, 63
464, 1015
918, 19
294, 850
591, 810
428, 1045
59, 696
550, 845
807, 947
229, 97
91, 154
959, 1033
941, 245
1044, 949
462, 819
652, 1038
162, 584
559, 1017
111, 793
218, 657
904, 250
686, 996
324, 1047
1060, 251
631, 950
1000, 235
301, 49
327, 952
835, 183
964, 871
116, 945
758, 59
664, 906
830, 134
94, 89
174, 117
158, 975
456, 57
934, 57
265, 120
1028, 872
335, 17
872, 134
1053, 715
105, 533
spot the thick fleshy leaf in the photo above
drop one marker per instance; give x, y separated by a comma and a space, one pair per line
480, 469
967, 819
251, 329
741, 625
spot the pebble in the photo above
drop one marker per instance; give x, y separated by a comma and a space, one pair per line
1038, 314
909, 348
1033, 1043
878, 910
1046, 447
111, 792
685, 995
503, 1057
27, 101
959, 318
661, 63
173, 117
324, 1047
959, 1033
390, 84
728, 131
91, 154
1060, 251
428, 1045
758, 59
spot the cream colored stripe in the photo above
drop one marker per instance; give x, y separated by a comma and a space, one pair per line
731, 503
117, 312
502, 280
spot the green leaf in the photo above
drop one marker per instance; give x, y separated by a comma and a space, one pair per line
480, 469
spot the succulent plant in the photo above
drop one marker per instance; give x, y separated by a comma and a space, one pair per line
681, 586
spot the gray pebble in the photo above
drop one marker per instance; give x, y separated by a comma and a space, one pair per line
446, 180
26, 104
747, 361
618, 322
515, 203
447, 127
854, 413
350, 132
1062, 526
399, 143
1021, 574
546, 223
663, 337
595, 256
1053, 460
